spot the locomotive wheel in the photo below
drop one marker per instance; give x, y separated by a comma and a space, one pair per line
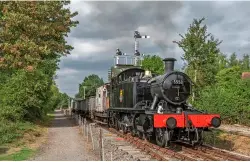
140, 135
116, 125
133, 132
167, 140
150, 138
201, 135
160, 138
110, 123
134, 129
124, 129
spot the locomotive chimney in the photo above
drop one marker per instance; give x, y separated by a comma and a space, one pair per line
169, 64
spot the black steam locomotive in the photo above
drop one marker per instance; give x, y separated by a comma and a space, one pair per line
156, 108
148, 106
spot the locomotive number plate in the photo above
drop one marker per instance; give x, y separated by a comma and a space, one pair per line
177, 81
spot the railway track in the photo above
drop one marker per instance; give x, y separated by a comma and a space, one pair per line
180, 151
177, 151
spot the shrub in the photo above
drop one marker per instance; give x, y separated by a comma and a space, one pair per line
229, 97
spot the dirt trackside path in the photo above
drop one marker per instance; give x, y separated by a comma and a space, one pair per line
65, 143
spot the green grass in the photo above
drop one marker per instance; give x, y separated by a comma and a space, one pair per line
214, 139
48, 119
23, 154
11, 135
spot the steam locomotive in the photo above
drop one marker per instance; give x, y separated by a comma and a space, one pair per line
148, 106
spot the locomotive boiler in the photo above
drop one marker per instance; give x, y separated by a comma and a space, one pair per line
174, 87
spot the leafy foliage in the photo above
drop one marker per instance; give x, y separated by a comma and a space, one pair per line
229, 97
31, 95
89, 85
200, 53
33, 31
154, 64
245, 63
32, 40
233, 60
12, 131
64, 98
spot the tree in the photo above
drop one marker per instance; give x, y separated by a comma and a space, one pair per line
200, 54
32, 37
154, 64
223, 62
89, 85
32, 40
64, 98
233, 60
34, 31
245, 62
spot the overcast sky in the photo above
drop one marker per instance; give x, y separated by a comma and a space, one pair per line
105, 26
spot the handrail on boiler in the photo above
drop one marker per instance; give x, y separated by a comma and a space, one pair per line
128, 60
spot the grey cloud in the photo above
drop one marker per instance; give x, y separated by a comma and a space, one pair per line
112, 20
204, 9
69, 83
86, 65
118, 19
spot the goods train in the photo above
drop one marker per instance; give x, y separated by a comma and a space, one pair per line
147, 106
151, 107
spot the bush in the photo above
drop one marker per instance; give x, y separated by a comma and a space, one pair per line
11, 114
10, 131
229, 97
27, 93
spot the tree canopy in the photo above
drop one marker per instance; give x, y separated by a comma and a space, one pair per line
32, 41
153, 63
200, 53
33, 32
89, 85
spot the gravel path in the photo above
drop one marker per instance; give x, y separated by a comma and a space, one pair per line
236, 129
65, 143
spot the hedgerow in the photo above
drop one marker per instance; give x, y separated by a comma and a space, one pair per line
229, 97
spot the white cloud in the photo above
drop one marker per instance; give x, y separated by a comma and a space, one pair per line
66, 72
96, 50
83, 8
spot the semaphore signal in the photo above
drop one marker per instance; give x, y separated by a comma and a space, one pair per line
137, 35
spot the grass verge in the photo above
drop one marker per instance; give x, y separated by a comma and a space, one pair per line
23, 154
228, 141
20, 141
